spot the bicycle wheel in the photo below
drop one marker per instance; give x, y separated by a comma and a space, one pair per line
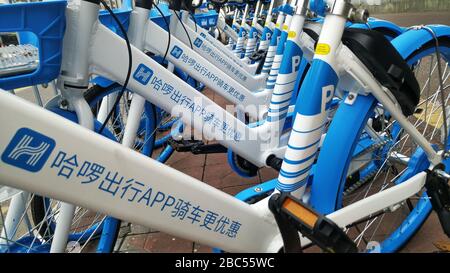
392, 155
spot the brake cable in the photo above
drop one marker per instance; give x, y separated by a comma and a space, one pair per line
130, 62
441, 84
168, 32
441, 87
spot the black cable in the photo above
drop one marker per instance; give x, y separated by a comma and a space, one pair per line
195, 21
130, 62
168, 32
441, 86
185, 30
187, 34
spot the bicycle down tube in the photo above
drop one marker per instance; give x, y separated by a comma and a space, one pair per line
249, 79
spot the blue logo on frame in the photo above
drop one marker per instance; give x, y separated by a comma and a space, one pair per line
143, 74
176, 52
203, 35
198, 42
28, 150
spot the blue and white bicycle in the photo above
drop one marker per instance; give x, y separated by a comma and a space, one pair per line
382, 91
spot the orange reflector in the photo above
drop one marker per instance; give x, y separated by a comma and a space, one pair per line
302, 213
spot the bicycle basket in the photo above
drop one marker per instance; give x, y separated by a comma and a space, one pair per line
34, 60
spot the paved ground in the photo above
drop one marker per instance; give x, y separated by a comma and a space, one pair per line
214, 170
409, 19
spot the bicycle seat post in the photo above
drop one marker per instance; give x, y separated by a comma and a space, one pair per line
81, 22
138, 19
73, 81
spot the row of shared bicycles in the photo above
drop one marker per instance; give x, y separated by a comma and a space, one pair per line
349, 110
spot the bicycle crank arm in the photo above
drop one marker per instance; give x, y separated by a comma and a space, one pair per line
438, 190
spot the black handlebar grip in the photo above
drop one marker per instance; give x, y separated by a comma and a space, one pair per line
175, 5
93, 1
145, 4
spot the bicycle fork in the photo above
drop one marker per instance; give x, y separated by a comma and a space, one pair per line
310, 115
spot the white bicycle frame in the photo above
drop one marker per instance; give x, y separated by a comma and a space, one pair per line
264, 43
168, 186
272, 61
250, 45
138, 24
182, 56
249, 79
277, 57
223, 27
271, 50
251, 42
258, 27
241, 39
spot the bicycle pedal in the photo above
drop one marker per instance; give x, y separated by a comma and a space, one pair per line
19, 59
442, 246
438, 190
214, 148
316, 227
196, 146
184, 145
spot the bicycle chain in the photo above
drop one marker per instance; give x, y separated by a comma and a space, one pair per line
359, 183
372, 148
369, 176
